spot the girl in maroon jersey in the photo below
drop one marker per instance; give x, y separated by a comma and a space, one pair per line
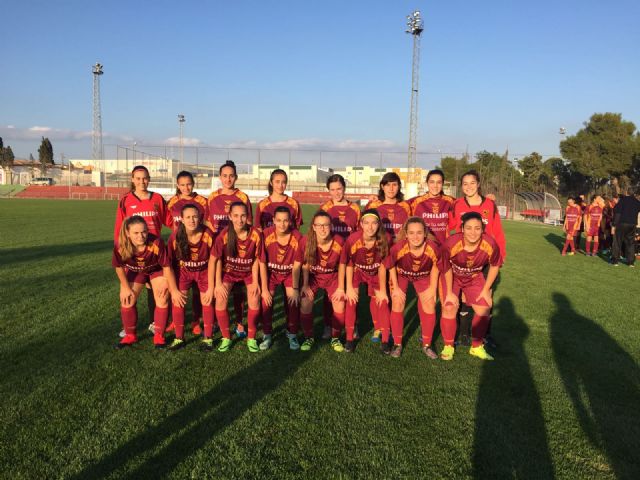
140, 258
571, 226
592, 220
279, 266
189, 249
463, 258
264, 211
218, 204
414, 259
237, 251
186, 196
362, 256
320, 252
434, 207
390, 204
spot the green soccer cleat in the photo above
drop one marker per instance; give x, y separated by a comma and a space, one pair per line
480, 352
337, 346
447, 352
307, 344
225, 345
252, 345
207, 344
266, 343
177, 344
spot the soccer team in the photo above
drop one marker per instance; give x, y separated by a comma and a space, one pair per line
450, 249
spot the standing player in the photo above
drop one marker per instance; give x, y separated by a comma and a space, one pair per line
148, 205
237, 253
189, 249
592, 220
414, 259
572, 220
279, 267
264, 211
463, 258
345, 216
140, 258
218, 203
390, 205
186, 196
319, 252
362, 256
434, 207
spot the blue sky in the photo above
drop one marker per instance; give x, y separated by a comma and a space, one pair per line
315, 74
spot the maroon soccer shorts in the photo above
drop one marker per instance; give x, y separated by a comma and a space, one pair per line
142, 277
327, 281
420, 284
276, 279
471, 289
187, 278
372, 281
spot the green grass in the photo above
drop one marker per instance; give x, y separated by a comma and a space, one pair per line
560, 400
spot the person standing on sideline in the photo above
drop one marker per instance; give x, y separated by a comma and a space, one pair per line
625, 218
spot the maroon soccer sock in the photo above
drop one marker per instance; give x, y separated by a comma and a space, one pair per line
397, 326
307, 324
350, 321
572, 245
293, 319
337, 323
178, 320
252, 322
587, 248
596, 244
384, 320
373, 308
196, 305
129, 317
238, 304
208, 319
223, 320
479, 326
566, 245
160, 319
267, 319
427, 324
448, 328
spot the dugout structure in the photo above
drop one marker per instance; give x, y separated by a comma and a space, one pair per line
541, 207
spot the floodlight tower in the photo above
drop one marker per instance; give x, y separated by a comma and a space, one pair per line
181, 123
97, 115
415, 27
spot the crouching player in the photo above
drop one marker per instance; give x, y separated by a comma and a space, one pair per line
237, 251
279, 267
413, 259
140, 258
189, 250
571, 226
319, 253
463, 257
362, 256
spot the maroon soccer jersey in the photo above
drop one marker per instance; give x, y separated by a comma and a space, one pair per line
434, 212
490, 217
199, 253
154, 211
594, 216
249, 250
344, 218
467, 265
266, 208
176, 204
153, 258
410, 266
393, 215
356, 255
219, 204
572, 216
327, 263
280, 258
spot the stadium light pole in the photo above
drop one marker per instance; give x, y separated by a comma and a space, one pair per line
415, 27
181, 123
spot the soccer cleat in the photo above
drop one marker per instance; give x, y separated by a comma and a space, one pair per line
337, 346
195, 328
480, 352
396, 352
571, 253
307, 344
266, 343
171, 327
375, 338
349, 346
447, 352
326, 333
429, 352
207, 344
177, 344
127, 341
225, 345
240, 332
293, 341
490, 342
122, 333
159, 341
385, 348
252, 345
152, 328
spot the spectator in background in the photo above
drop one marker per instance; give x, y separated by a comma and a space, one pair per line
625, 219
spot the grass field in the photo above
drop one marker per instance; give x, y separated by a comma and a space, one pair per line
562, 398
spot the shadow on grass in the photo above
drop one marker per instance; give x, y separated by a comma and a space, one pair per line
603, 383
510, 440
555, 240
13, 256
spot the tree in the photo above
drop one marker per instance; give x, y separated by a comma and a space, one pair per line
45, 154
31, 157
532, 171
603, 150
453, 167
6, 155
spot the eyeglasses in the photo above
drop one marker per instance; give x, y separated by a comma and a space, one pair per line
322, 225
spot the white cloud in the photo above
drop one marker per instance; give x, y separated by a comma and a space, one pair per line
10, 132
186, 141
316, 144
